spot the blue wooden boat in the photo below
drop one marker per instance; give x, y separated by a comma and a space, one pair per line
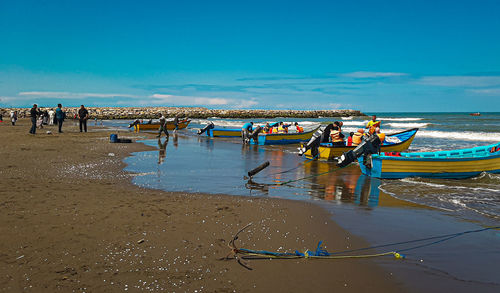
453, 164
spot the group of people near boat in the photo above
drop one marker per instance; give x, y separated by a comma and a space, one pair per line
270, 128
333, 133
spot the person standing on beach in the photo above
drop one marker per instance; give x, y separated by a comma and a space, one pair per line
33, 113
163, 126
13, 117
51, 117
176, 123
60, 115
83, 116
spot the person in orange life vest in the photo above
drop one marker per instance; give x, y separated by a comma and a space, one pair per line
282, 128
380, 135
356, 138
299, 128
349, 139
335, 137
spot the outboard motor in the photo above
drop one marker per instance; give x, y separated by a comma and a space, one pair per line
253, 135
312, 144
207, 127
369, 145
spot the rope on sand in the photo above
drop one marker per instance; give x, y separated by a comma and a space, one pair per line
242, 254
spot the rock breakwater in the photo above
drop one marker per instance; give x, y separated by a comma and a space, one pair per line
106, 113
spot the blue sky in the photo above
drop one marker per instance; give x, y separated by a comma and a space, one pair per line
366, 55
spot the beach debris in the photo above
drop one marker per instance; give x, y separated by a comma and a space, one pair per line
140, 241
19, 257
111, 154
258, 169
242, 254
49, 132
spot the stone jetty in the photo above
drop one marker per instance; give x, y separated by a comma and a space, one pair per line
107, 113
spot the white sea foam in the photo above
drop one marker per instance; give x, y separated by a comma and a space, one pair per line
408, 125
464, 135
355, 123
399, 119
442, 186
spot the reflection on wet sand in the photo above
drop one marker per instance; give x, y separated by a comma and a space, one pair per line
176, 139
162, 150
348, 185
262, 188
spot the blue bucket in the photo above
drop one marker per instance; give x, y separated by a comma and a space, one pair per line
113, 137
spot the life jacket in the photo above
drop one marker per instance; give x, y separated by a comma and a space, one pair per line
356, 138
300, 129
349, 141
274, 130
495, 149
282, 129
382, 137
335, 135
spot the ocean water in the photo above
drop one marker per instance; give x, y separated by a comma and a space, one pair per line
199, 164
380, 211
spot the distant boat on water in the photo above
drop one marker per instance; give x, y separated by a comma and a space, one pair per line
475, 114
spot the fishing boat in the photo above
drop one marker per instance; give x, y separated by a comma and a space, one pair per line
156, 126
223, 132
475, 114
282, 138
455, 164
395, 142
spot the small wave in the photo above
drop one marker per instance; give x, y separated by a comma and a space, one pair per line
443, 186
408, 125
487, 177
347, 118
399, 119
355, 123
465, 135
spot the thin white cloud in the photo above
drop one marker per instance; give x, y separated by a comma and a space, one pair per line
460, 81
187, 100
371, 74
490, 92
201, 101
70, 95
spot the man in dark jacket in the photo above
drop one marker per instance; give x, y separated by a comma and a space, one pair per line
60, 116
83, 116
33, 112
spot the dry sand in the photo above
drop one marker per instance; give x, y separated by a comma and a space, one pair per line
72, 221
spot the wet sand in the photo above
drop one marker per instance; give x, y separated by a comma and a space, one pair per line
72, 221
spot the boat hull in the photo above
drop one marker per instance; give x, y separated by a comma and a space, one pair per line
156, 126
222, 132
445, 164
328, 152
282, 138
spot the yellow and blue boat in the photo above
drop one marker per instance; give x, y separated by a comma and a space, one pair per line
282, 138
454, 164
223, 132
396, 142
156, 126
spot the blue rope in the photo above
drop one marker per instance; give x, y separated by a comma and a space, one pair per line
446, 237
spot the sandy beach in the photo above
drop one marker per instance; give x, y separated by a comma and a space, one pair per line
72, 221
